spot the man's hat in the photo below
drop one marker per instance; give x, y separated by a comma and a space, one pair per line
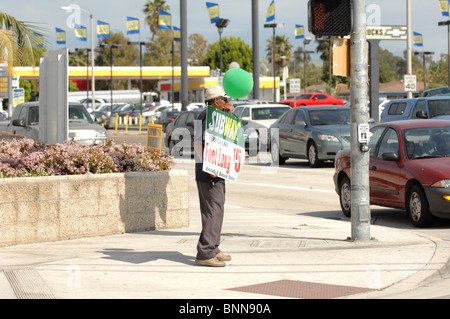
213, 92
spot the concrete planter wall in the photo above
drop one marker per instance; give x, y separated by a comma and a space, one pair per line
38, 209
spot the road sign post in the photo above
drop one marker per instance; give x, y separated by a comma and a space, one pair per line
294, 85
360, 206
410, 83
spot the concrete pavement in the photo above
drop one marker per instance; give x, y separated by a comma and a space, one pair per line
274, 255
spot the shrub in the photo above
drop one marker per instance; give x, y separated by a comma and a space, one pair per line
25, 158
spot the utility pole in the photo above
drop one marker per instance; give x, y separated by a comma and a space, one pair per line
184, 56
255, 42
408, 46
359, 126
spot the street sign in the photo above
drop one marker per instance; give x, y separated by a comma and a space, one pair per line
384, 32
409, 82
294, 85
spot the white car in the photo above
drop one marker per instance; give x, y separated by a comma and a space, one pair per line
260, 115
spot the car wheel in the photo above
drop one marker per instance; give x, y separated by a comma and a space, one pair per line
345, 196
313, 156
275, 154
417, 207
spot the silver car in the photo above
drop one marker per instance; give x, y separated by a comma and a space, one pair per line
82, 129
315, 133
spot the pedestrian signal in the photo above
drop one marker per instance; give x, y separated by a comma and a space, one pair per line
330, 17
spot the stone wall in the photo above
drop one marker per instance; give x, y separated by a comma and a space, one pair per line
38, 209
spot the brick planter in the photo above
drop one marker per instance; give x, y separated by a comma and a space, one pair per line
39, 209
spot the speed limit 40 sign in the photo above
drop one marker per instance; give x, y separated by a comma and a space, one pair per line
410, 83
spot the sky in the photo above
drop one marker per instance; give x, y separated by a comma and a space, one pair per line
47, 14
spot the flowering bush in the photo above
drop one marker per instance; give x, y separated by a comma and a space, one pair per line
24, 158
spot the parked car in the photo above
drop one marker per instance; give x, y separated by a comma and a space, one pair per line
88, 103
254, 118
178, 130
259, 115
25, 124
409, 169
420, 108
155, 113
312, 99
315, 133
166, 117
436, 91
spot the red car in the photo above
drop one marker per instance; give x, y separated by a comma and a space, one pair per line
313, 99
409, 169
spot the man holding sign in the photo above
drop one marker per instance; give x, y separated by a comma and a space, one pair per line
217, 158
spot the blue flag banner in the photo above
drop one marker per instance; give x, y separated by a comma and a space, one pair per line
213, 10
418, 39
80, 32
132, 25
176, 34
60, 36
165, 20
271, 12
102, 29
299, 31
444, 5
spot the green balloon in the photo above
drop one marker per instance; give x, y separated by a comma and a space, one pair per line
237, 83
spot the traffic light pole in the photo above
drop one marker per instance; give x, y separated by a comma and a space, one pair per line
360, 206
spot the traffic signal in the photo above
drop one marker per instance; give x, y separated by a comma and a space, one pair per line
330, 17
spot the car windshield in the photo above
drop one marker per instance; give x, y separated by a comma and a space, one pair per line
79, 114
426, 142
329, 117
268, 113
439, 107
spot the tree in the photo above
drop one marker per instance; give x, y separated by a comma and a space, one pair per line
151, 10
283, 52
127, 55
323, 47
233, 50
197, 49
439, 72
18, 40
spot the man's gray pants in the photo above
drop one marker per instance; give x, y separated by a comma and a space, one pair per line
212, 201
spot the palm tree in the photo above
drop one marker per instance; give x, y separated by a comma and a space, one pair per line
18, 41
282, 49
151, 10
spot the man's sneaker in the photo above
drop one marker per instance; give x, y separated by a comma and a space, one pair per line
213, 262
222, 257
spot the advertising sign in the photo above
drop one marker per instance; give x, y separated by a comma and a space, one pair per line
4, 83
224, 149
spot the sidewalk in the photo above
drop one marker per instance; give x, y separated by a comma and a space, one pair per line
274, 256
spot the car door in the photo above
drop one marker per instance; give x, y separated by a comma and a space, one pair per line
385, 177
299, 134
320, 99
286, 135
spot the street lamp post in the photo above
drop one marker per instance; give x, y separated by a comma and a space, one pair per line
424, 54
274, 26
87, 72
141, 44
306, 41
447, 23
111, 47
70, 9
223, 23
